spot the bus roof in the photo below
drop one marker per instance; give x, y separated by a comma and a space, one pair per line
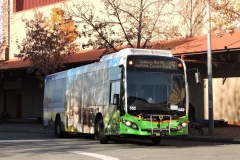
127, 51
108, 61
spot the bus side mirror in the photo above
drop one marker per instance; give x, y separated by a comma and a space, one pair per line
198, 77
116, 99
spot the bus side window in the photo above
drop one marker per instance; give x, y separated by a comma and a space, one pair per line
114, 90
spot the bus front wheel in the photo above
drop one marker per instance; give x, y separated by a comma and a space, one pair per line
103, 139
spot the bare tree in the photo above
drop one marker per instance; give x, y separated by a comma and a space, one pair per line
192, 13
124, 23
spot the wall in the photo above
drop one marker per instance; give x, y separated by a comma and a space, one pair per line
17, 26
226, 99
23, 97
32, 98
21, 5
226, 96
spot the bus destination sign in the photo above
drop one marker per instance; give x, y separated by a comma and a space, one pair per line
156, 64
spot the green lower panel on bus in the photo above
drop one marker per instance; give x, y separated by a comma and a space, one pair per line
131, 125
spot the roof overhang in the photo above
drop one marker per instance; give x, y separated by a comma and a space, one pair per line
83, 56
182, 47
219, 44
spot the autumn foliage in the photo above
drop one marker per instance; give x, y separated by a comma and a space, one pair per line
227, 15
48, 42
68, 29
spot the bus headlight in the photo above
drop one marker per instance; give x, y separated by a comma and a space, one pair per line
181, 126
184, 125
134, 126
130, 124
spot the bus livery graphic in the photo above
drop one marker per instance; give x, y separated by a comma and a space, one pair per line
131, 93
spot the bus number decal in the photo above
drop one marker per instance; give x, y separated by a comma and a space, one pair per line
132, 108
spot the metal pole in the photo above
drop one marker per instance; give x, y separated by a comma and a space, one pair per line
209, 64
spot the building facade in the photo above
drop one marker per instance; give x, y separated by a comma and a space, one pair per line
20, 94
22, 98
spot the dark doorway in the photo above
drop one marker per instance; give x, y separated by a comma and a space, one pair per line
13, 103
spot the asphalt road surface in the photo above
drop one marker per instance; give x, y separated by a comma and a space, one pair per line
35, 146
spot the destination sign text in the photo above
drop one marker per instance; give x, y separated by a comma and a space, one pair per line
156, 64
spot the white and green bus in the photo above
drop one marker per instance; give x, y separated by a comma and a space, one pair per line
131, 93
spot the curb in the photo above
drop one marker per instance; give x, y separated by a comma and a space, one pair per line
31, 128
235, 140
27, 128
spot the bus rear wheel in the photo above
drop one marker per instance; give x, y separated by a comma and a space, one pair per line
58, 130
103, 139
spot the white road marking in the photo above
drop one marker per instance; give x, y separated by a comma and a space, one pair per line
103, 157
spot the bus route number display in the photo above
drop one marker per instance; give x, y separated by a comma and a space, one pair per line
155, 64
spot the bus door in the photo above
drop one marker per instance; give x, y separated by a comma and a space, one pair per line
112, 120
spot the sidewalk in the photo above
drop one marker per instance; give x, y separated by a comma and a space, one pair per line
33, 127
226, 134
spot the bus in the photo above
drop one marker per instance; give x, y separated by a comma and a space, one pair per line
133, 93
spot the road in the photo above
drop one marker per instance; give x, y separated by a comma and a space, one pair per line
35, 146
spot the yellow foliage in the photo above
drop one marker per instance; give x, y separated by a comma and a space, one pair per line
227, 13
67, 25
57, 15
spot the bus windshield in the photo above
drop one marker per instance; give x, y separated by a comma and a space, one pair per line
155, 92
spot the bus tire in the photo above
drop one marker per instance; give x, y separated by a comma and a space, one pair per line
156, 140
103, 139
66, 121
58, 130
96, 131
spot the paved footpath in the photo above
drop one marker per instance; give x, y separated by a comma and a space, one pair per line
23, 127
226, 134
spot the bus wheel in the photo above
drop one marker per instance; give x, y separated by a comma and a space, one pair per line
156, 140
58, 131
67, 121
96, 131
100, 131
